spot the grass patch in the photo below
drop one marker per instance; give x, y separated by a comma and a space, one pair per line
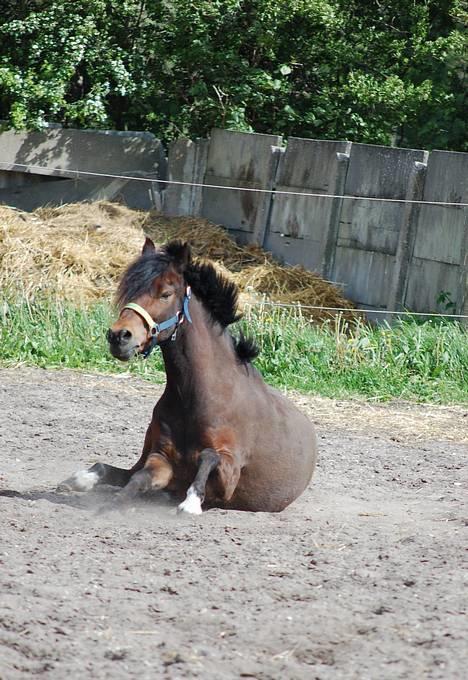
425, 362
55, 335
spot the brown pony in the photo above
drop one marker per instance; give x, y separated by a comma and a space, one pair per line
219, 436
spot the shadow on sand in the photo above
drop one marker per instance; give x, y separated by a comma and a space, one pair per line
98, 501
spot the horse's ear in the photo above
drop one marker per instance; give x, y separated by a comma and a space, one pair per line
180, 253
148, 247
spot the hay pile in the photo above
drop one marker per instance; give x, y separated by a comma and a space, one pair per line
75, 252
254, 270
78, 252
207, 240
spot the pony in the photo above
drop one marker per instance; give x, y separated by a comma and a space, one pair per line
219, 436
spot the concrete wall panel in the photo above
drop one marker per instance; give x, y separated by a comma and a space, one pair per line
441, 237
440, 234
369, 227
239, 159
427, 279
186, 163
365, 275
307, 166
60, 153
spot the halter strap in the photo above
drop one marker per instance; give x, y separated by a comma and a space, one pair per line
142, 312
156, 328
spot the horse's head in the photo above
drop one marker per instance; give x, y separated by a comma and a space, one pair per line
153, 300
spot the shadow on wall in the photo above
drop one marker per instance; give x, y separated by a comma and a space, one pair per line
117, 153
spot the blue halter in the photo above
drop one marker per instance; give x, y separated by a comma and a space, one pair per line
157, 328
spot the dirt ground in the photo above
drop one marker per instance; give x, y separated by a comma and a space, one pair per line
362, 577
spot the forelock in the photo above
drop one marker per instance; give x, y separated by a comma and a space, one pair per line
139, 277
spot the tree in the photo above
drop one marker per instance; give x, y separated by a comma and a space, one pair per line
369, 71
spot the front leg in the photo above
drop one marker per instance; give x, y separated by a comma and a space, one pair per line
155, 475
209, 460
99, 473
102, 473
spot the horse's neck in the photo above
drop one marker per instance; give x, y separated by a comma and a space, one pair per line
197, 355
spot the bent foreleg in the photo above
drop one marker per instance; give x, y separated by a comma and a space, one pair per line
155, 475
208, 461
99, 473
227, 473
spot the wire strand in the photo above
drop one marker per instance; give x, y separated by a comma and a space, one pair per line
300, 306
86, 173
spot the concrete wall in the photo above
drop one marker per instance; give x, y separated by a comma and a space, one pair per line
369, 231
123, 153
300, 227
186, 163
385, 255
240, 160
440, 248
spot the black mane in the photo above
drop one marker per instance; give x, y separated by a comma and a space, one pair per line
245, 348
216, 292
138, 278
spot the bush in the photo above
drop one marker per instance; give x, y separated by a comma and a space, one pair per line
336, 69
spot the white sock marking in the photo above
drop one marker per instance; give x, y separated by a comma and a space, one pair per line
84, 480
192, 503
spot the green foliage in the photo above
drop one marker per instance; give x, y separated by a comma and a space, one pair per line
425, 362
445, 300
58, 62
51, 335
410, 360
366, 71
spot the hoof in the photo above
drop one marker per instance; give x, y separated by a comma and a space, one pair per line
191, 505
80, 481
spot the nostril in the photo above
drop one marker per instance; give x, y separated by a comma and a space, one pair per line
118, 337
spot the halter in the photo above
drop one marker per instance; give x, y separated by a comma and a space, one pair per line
156, 328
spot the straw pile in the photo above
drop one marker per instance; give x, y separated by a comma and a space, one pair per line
75, 252
255, 271
78, 252
206, 239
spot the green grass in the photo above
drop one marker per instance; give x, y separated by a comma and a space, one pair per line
425, 362
63, 336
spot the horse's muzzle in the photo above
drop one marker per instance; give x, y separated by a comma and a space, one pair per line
121, 344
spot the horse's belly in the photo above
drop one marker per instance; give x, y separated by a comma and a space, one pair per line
273, 479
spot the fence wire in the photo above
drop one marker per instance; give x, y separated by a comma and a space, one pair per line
299, 306
76, 174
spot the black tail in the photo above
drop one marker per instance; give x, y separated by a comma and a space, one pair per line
245, 348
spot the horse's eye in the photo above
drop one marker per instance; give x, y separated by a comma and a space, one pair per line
164, 296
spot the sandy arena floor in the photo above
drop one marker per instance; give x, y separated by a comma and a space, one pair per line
361, 578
